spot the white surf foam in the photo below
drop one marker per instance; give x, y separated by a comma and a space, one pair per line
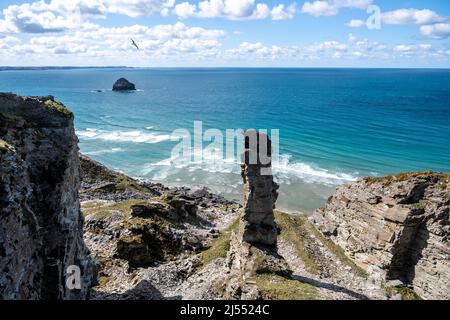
105, 151
284, 170
136, 136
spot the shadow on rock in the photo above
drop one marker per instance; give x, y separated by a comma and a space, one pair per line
330, 286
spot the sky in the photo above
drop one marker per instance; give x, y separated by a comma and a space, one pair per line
226, 33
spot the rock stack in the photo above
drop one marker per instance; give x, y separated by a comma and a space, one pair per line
260, 191
253, 247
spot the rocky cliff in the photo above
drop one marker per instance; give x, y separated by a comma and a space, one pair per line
41, 227
396, 228
153, 242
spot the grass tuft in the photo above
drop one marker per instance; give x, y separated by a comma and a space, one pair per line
58, 107
294, 231
5, 147
275, 287
420, 205
406, 293
219, 247
388, 180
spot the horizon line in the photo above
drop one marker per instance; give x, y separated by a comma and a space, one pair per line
3, 68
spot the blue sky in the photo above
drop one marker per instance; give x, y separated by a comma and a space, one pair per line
224, 33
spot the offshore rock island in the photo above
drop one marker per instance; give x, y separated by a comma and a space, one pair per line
123, 85
376, 238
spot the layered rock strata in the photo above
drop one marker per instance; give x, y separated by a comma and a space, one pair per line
396, 228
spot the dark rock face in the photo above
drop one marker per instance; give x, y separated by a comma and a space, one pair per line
123, 85
41, 227
396, 227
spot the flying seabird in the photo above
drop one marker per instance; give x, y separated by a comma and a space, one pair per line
134, 44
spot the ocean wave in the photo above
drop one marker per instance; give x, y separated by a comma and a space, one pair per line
123, 136
105, 151
284, 170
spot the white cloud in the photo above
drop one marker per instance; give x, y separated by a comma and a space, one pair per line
351, 38
432, 24
404, 48
234, 10
257, 50
425, 46
177, 41
436, 31
356, 23
332, 7
136, 8
185, 10
418, 51
8, 42
411, 16
326, 50
279, 12
35, 18
62, 15
229, 9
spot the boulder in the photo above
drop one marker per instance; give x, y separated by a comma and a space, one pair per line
123, 85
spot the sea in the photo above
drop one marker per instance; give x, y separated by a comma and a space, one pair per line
333, 126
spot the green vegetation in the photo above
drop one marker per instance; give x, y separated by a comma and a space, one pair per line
58, 107
102, 281
293, 230
274, 287
445, 181
93, 172
4, 146
406, 293
220, 246
388, 180
102, 211
420, 205
125, 182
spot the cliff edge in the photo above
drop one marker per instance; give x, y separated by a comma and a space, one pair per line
396, 228
41, 225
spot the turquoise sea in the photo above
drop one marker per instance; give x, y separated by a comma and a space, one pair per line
335, 124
